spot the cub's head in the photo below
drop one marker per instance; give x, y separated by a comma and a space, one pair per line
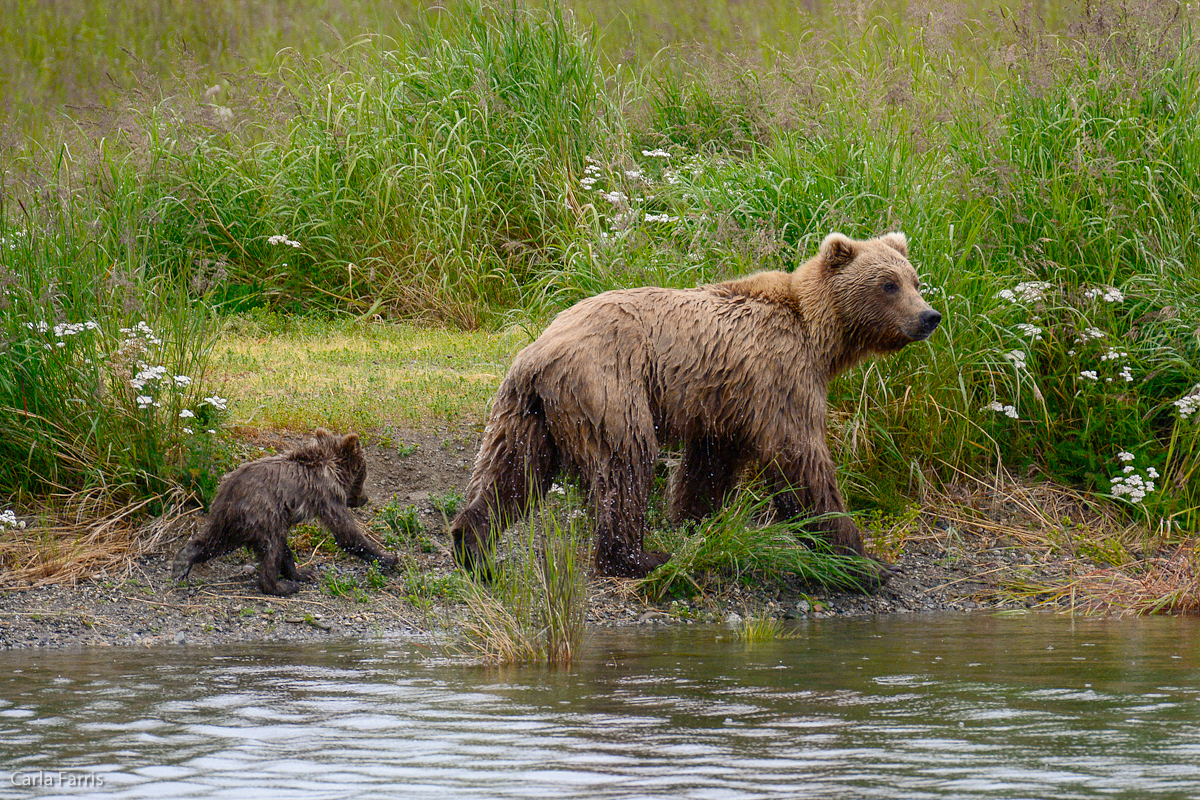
351, 463
876, 292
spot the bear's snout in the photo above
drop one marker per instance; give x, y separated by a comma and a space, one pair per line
927, 323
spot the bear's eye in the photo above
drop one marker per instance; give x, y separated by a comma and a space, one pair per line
890, 288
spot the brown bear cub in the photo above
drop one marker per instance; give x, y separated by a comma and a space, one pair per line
261, 500
737, 373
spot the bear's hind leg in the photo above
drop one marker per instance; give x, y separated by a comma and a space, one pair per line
289, 570
269, 550
516, 465
204, 546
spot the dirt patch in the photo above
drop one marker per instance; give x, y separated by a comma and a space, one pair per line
944, 566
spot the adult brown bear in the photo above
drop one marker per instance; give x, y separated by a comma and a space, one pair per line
736, 372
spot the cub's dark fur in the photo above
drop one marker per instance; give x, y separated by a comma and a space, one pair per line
260, 501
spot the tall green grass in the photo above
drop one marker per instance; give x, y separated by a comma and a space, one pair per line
490, 166
533, 610
102, 384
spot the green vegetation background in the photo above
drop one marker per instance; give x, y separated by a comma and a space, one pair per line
482, 167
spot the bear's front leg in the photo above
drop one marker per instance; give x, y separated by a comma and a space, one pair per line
805, 485
340, 522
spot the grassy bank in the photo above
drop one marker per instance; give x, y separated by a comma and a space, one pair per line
482, 169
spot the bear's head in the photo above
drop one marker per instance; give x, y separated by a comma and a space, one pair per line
351, 463
875, 292
354, 465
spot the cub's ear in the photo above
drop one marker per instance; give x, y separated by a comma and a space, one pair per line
837, 250
321, 433
897, 241
349, 442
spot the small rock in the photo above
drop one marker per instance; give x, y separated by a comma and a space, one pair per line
180, 638
733, 618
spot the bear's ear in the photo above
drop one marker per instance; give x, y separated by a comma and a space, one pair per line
837, 250
321, 433
897, 241
349, 442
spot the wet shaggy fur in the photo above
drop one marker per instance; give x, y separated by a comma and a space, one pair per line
736, 372
260, 501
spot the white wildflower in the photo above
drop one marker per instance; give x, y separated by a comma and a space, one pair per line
182, 381
1032, 331
216, 402
8, 519
1189, 404
281, 239
141, 329
1127, 374
1113, 354
1008, 411
557, 488
145, 401
1090, 374
587, 182
1109, 294
1026, 292
1132, 486
40, 327
65, 329
1018, 358
188, 431
1125, 455
661, 218
147, 375
657, 152
613, 197
1090, 333
186, 414
633, 174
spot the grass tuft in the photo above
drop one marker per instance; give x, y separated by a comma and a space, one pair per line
738, 544
534, 610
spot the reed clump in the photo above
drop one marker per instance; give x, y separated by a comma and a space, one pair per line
534, 608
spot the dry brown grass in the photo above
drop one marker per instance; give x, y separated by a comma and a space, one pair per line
82, 537
1103, 564
1166, 583
1032, 514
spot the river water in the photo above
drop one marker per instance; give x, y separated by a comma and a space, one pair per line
939, 706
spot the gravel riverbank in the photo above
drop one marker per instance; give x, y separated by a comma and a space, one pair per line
942, 569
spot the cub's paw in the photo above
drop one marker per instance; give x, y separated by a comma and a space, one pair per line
280, 588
